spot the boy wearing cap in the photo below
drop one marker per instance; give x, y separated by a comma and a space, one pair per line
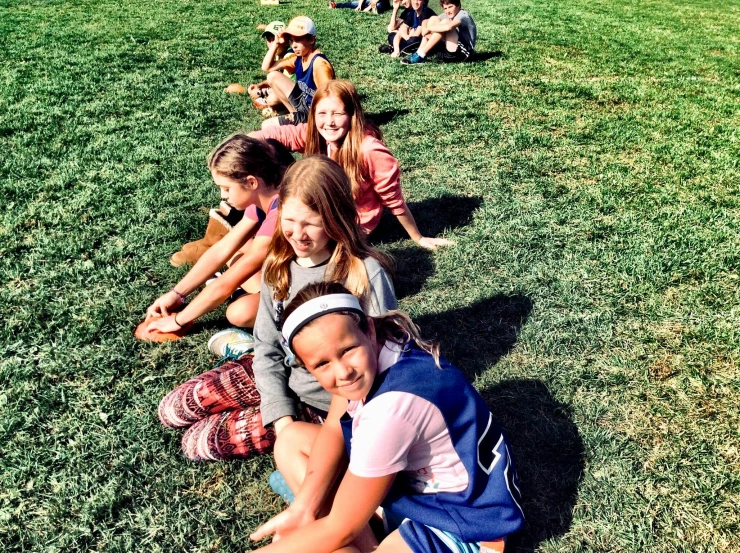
262, 96
455, 26
310, 67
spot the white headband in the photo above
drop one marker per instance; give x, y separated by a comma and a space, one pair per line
314, 309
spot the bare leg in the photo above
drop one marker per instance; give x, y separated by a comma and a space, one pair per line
281, 86
243, 311
394, 543
451, 37
292, 450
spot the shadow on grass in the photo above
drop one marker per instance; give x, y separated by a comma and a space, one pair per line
549, 456
485, 56
385, 117
432, 216
413, 267
475, 337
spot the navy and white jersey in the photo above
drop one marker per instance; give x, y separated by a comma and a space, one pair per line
488, 506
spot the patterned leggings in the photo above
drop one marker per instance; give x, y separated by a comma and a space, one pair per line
221, 407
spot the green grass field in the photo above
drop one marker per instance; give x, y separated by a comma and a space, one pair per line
588, 169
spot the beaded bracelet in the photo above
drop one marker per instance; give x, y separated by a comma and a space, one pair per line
183, 298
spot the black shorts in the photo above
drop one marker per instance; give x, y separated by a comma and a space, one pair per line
462, 53
299, 100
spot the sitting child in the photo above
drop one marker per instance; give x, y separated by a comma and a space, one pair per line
420, 440
248, 172
405, 32
262, 95
337, 128
455, 26
372, 6
310, 67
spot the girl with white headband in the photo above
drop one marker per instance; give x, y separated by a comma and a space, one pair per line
421, 441
236, 410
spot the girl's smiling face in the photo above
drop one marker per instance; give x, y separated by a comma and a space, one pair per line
332, 120
304, 231
237, 193
342, 358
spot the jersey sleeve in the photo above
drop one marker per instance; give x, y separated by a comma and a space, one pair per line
383, 171
381, 440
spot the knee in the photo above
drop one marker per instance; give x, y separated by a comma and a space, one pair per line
240, 315
287, 447
271, 76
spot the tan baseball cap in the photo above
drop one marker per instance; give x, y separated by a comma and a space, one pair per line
300, 26
273, 28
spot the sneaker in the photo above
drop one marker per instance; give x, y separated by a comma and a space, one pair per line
231, 343
413, 59
333, 5
385, 49
260, 103
280, 487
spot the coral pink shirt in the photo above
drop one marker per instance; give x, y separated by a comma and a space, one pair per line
384, 185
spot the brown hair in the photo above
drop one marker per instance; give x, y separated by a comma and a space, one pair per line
394, 326
321, 185
349, 155
240, 156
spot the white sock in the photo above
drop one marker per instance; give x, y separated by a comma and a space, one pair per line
422, 56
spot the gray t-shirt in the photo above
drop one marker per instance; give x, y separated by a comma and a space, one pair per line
279, 379
467, 33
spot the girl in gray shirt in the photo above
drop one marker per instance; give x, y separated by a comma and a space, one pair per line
236, 410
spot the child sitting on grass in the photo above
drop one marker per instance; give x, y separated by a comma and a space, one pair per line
456, 27
235, 410
337, 128
372, 6
310, 67
420, 441
405, 32
262, 95
248, 172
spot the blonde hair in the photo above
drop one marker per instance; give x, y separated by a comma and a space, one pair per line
349, 155
394, 326
321, 185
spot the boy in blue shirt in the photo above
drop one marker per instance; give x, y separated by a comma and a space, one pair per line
455, 27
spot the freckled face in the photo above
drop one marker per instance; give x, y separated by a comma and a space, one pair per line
339, 355
304, 230
332, 120
233, 191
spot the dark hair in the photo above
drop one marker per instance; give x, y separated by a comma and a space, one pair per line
240, 156
443, 3
394, 326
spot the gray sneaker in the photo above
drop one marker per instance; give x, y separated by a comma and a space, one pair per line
231, 343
